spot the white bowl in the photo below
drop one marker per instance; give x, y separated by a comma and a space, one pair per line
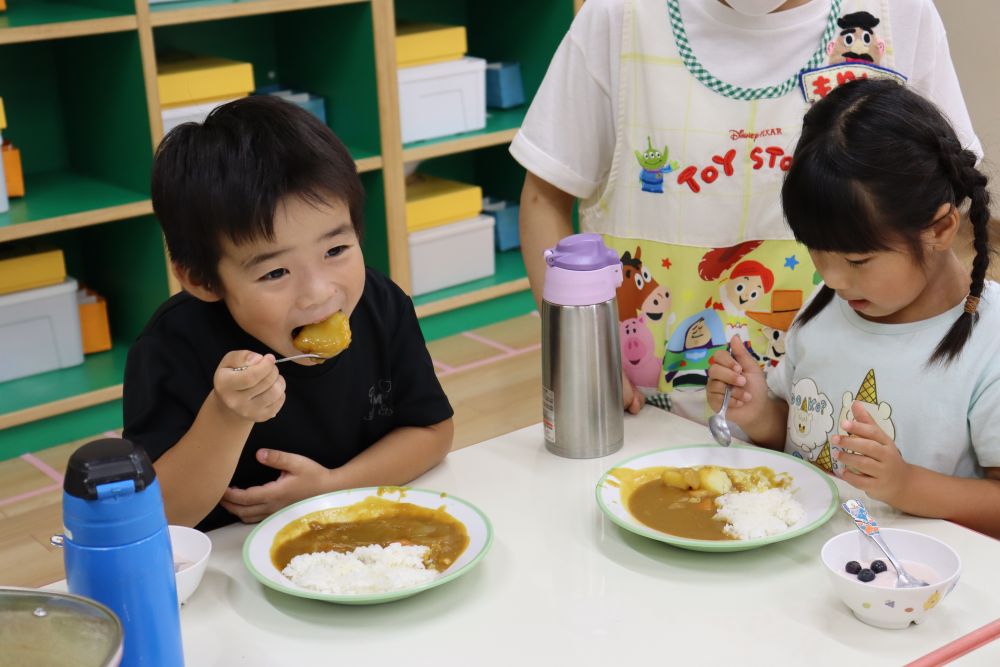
191, 550
891, 607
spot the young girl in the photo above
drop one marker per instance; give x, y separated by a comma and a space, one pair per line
891, 377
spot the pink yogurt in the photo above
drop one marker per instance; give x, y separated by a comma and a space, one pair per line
887, 579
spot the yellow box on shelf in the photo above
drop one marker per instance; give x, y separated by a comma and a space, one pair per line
28, 267
426, 43
433, 201
3, 116
185, 79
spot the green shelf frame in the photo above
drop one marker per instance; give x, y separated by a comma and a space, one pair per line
25, 13
61, 193
98, 371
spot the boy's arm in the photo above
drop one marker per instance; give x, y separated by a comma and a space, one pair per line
195, 472
397, 458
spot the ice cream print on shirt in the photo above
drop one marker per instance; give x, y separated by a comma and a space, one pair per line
881, 413
810, 419
856, 52
653, 164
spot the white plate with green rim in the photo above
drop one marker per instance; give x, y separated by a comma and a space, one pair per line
257, 547
810, 486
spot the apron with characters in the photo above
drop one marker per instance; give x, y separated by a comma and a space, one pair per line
692, 204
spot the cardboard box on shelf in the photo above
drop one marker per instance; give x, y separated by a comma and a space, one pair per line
95, 330
451, 254
427, 43
433, 201
185, 79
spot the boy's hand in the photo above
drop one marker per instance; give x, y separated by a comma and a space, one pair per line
739, 370
255, 393
877, 468
300, 478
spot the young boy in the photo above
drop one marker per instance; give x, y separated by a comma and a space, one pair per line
261, 207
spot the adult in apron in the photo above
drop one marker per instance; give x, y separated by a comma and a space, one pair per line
691, 198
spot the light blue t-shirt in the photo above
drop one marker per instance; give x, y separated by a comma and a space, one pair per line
942, 417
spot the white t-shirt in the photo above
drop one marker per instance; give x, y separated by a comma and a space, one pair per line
942, 417
568, 135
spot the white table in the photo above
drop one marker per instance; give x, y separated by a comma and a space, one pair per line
562, 585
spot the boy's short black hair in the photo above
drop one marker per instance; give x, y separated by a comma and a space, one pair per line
225, 177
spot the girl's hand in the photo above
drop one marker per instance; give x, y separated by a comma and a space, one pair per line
255, 393
300, 478
740, 371
877, 467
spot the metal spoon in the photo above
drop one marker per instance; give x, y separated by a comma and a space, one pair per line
718, 424
867, 525
296, 356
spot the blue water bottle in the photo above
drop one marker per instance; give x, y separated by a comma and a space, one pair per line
117, 547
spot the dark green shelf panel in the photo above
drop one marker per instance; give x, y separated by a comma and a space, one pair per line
509, 266
98, 371
359, 153
477, 315
497, 120
59, 430
26, 14
61, 193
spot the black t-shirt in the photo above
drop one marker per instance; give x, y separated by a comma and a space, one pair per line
332, 411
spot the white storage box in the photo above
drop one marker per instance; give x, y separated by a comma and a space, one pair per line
192, 113
443, 98
451, 254
39, 330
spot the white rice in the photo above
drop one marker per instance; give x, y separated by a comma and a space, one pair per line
751, 515
370, 569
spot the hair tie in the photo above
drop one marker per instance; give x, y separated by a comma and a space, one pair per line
971, 304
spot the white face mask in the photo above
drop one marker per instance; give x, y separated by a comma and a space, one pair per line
755, 7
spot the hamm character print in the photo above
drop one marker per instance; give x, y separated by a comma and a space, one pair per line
653, 164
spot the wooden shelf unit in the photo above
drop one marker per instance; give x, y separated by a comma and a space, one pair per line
78, 78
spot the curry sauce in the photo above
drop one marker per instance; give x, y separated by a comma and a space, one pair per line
374, 520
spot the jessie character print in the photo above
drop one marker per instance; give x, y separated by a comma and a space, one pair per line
857, 41
747, 281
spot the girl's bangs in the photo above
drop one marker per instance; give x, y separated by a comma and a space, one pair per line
829, 211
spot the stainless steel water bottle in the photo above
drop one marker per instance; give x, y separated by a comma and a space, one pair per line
117, 547
582, 408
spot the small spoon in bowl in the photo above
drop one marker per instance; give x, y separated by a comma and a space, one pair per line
867, 525
718, 425
296, 356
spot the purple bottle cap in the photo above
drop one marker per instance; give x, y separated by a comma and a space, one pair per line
581, 252
581, 271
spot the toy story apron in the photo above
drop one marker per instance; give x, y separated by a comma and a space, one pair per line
692, 203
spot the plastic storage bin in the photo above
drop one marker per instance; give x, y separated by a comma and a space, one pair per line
442, 99
39, 330
451, 254
433, 201
504, 88
25, 266
426, 43
506, 234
